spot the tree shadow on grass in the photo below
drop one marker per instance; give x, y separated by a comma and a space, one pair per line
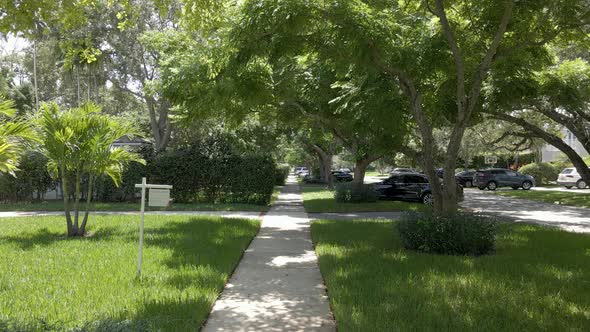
528, 284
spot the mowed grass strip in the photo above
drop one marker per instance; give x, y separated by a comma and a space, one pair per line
50, 282
318, 199
573, 198
539, 279
57, 205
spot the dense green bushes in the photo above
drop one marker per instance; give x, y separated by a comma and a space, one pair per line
30, 182
211, 171
281, 174
355, 193
542, 172
462, 234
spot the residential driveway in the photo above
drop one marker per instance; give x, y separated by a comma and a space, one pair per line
565, 217
563, 189
226, 214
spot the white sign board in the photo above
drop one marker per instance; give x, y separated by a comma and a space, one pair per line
159, 197
491, 160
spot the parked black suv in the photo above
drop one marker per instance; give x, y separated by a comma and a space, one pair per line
494, 178
414, 187
340, 176
465, 178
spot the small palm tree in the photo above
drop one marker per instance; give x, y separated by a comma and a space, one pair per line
12, 136
78, 143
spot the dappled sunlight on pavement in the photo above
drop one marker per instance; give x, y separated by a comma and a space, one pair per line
565, 217
277, 286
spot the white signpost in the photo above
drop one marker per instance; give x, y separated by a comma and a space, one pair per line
159, 196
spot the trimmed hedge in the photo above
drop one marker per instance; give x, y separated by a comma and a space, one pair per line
462, 234
355, 193
211, 171
542, 172
281, 174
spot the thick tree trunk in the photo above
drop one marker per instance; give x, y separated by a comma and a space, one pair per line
325, 158
360, 168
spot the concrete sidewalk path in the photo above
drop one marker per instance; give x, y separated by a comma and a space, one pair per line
277, 286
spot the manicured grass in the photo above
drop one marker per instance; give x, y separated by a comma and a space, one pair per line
57, 205
375, 173
538, 280
52, 283
317, 199
555, 197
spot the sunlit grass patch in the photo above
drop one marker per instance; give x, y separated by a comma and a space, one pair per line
538, 279
50, 282
318, 199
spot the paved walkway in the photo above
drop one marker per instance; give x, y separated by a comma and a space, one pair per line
277, 286
569, 218
226, 214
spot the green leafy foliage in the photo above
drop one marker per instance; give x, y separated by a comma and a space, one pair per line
462, 234
355, 193
281, 174
211, 171
543, 173
30, 181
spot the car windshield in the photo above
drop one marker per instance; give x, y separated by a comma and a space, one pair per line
567, 171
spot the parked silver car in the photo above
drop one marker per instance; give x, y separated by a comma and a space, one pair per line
569, 177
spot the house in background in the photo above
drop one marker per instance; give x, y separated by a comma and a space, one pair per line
550, 153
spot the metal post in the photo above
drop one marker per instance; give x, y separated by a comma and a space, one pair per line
139, 258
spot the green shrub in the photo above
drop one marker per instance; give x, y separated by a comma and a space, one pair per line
211, 171
30, 182
462, 234
542, 172
281, 174
355, 193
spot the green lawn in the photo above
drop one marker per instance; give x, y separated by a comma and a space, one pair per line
317, 199
555, 197
375, 173
57, 205
49, 282
538, 280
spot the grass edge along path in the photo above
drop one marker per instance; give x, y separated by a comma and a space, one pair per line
57, 205
538, 279
318, 199
49, 282
552, 197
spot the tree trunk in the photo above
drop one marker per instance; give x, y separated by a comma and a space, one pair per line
556, 141
82, 229
66, 198
360, 168
77, 202
35, 76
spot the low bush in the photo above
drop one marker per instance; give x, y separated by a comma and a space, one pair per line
542, 172
355, 193
211, 171
462, 234
281, 174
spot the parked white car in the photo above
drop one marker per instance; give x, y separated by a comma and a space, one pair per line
301, 171
569, 177
400, 170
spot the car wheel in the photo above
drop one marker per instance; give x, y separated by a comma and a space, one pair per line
468, 184
492, 185
568, 187
581, 184
527, 185
427, 199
